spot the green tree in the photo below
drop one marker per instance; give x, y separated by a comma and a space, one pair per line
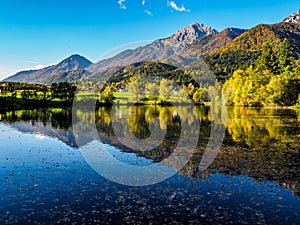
183, 96
267, 60
199, 97
26, 94
136, 88
268, 82
64, 91
14, 95
107, 95
165, 89
228, 93
286, 60
153, 89
275, 90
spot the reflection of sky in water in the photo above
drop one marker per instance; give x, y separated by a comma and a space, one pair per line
28, 149
43, 179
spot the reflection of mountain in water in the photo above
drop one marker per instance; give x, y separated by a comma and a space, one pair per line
61, 134
55, 123
262, 144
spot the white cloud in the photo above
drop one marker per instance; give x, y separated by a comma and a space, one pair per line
148, 12
174, 6
39, 66
122, 4
143, 2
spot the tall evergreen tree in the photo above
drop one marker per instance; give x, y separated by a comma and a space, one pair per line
267, 60
286, 60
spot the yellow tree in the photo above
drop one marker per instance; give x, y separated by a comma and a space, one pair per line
165, 89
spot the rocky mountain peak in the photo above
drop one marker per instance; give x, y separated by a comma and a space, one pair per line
75, 62
293, 18
192, 33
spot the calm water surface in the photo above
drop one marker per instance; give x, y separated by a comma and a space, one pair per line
254, 179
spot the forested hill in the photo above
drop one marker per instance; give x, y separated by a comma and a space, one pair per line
246, 48
273, 79
148, 69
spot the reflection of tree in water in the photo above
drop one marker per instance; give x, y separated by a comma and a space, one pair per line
252, 128
137, 122
259, 127
246, 126
262, 144
57, 118
103, 120
166, 117
62, 119
50, 122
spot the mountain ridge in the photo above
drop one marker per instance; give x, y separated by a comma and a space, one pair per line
73, 62
157, 50
224, 51
213, 42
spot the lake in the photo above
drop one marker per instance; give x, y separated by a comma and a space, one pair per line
75, 167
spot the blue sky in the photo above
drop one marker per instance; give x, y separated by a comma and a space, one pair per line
36, 33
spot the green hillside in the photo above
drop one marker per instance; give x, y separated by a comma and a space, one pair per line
246, 48
149, 69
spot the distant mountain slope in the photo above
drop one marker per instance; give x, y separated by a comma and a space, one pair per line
247, 47
212, 42
70, 76
74, 62
159, 49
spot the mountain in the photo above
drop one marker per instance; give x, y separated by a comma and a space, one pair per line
196, 37
69, 76
293, 18
246, 48
224, 52
189, 35
74, 62
159, 49
212, 42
